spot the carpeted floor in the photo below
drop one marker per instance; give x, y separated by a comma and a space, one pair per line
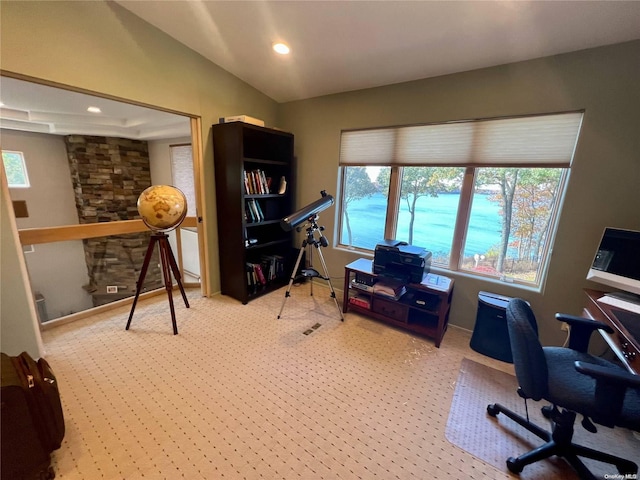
495, 439
239, 394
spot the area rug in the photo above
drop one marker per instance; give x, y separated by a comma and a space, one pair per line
493, 440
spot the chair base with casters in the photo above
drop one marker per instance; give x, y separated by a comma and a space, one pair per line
559, 443
573, 382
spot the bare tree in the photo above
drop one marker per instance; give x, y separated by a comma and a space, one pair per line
423, 182
358, 185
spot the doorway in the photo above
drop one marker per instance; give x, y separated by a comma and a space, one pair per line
72, 235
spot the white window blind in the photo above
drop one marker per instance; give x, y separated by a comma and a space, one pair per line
544, 140
182, 173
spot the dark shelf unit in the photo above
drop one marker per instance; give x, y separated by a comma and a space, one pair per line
423, 309
238, 148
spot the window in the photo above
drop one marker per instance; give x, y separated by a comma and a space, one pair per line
15, 169
182, 174
483, 196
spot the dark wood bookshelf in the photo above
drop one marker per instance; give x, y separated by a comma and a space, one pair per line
238, 148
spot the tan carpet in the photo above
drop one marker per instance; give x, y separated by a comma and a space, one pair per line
495, 439
239, 394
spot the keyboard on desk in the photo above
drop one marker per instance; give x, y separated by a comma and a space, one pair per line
629, 320
620, 303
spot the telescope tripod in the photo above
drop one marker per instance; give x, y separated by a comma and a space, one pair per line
310, 272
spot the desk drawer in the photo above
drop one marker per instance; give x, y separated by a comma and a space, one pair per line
395, 310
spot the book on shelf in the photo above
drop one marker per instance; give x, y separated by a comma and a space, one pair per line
259, 273
254, 211
273, 266
256, 182
259, 209
360, 302
263, 182
269, 268
248, 214
247, 187
252, 280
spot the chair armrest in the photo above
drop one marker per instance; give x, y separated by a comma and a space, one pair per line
611, 387
581, 330
616, 376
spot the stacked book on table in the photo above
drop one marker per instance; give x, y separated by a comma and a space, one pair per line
361, 301
389, 288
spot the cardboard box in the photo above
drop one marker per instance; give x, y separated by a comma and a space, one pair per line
243, 118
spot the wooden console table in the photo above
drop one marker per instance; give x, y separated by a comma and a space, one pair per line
423, 309
624, 341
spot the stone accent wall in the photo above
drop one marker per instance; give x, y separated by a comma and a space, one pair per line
108, 175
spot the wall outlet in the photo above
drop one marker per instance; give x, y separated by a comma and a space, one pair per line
564, 327
112, 289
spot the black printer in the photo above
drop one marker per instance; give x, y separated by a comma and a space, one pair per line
399, 260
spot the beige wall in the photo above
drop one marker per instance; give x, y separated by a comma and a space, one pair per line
49, 176
56, 270
19, 330
101, 47
603, 187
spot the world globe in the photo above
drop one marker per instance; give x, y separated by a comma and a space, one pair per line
162, 207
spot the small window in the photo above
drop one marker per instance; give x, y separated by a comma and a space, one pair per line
15, 169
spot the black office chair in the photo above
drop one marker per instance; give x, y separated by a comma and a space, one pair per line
575, 382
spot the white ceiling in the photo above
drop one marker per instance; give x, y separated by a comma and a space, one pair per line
38, 108
336, 46
340, 46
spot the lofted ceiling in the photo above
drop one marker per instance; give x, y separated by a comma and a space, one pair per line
337, 46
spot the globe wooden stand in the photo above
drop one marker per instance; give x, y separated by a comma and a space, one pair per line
169, 265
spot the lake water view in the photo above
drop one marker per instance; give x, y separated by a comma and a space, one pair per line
434, 223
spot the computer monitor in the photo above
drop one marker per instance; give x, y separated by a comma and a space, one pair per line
617, 260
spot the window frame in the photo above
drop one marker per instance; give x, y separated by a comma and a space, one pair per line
463, 213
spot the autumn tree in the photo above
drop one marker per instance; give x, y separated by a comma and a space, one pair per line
526, 197
506, 179
537, 194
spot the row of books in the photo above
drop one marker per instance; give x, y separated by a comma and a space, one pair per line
253, 211
268, 269
256, 182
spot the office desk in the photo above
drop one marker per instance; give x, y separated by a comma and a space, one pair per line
625, 339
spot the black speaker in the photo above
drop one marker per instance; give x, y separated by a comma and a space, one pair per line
490, 334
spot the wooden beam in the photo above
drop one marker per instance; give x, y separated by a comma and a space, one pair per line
34, 236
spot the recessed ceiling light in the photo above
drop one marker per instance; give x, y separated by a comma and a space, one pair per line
94, 110
281, 48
